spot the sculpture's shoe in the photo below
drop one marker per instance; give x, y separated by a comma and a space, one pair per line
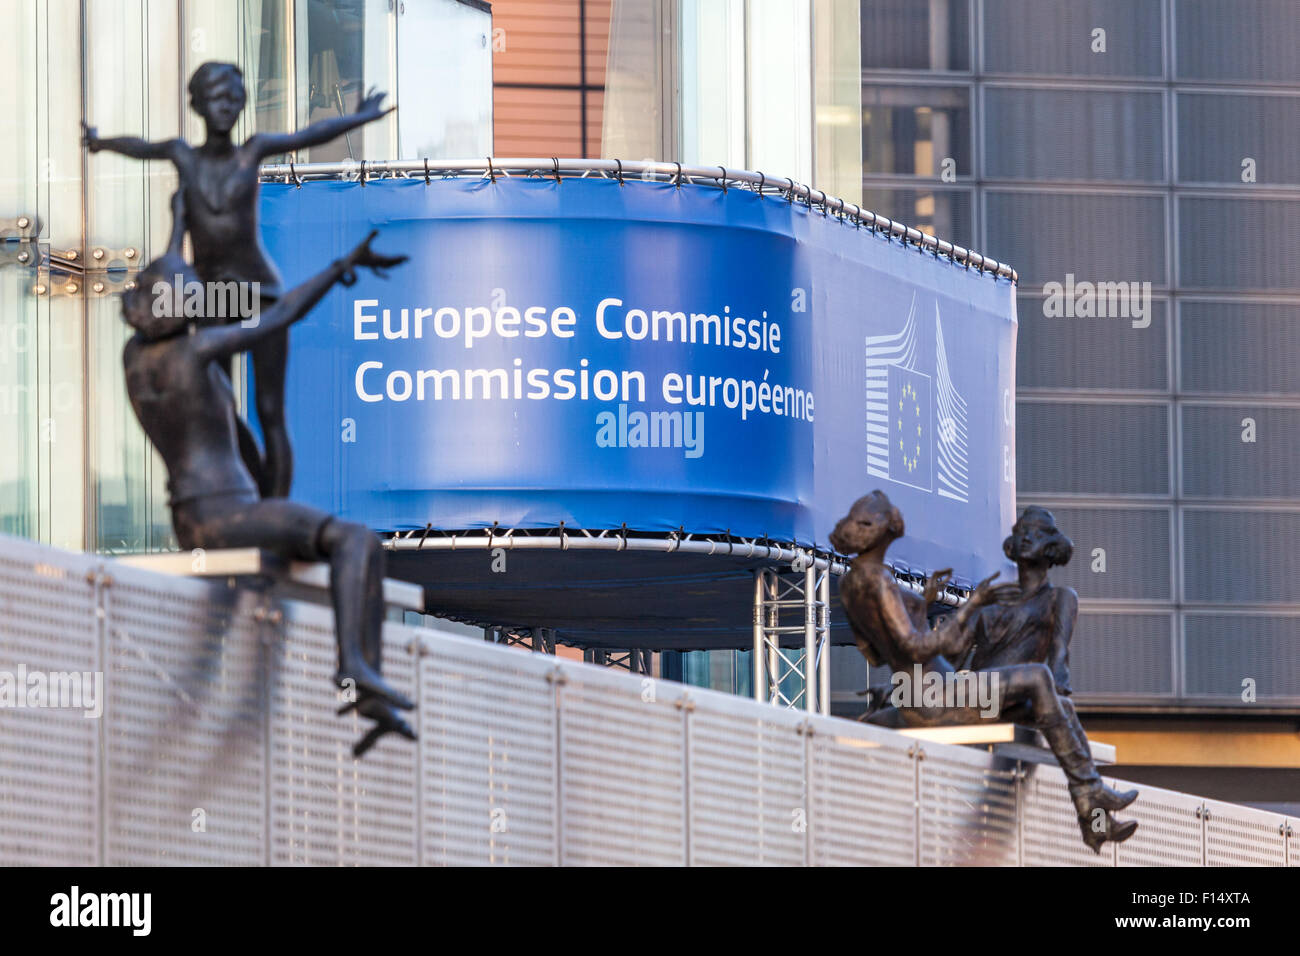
368, 683
1114, 800
1115, 831
387, 721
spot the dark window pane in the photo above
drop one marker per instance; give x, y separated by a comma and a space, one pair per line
1240, 557
1263, 340
1090, 353
1092, 448
906, 35
1122, 655
1222, 649
1073, 135
911, 130
1055, 37
1218, 464
1238, 243
1253, 41
1217, 131
1046, 236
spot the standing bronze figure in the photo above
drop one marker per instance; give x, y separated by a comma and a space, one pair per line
890, 630
176, 380
220, 184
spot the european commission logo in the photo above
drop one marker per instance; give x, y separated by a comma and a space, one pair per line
917, 432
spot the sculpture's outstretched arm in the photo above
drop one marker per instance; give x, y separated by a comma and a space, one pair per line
132, 146
322, 131
953, 636
221, 341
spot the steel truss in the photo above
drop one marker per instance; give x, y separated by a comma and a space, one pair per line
787, 604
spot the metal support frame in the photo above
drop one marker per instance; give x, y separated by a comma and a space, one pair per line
539, 640
787, 604
635, 660
645, 171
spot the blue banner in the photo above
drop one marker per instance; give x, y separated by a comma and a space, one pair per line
602, 354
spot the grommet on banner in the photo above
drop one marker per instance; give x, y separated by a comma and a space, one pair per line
857, 216
564, 542
492, 175
762, 181
723, 181
624, 536
619, 173
297, 180
555, 160
363, 172
426, 170
677, 177
427, 528
789, 193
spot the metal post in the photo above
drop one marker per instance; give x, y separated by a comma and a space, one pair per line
772, 636
824, 664
810, 668
759, 679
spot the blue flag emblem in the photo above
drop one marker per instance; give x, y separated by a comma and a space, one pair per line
911, 460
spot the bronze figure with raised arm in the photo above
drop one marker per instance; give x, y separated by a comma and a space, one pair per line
220, 184
176, 380
890, 631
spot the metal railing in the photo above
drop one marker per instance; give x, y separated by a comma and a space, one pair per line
647, 171
219, 744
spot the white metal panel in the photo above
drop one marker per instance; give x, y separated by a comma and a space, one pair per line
49, 759
863, 795
622, 769
966, 807
487, 753
748, 804
1169, 833
326, 808
1243, 836
1049, 825
184, 741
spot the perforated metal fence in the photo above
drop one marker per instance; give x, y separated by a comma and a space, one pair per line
219, 744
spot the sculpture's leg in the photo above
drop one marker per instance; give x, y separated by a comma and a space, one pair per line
1056, 719
357, 587
270, 359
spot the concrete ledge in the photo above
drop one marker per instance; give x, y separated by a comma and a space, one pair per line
253, 562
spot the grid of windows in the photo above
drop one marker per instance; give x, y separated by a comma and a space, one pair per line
1146, 141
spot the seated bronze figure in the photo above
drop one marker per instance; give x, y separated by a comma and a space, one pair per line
179, 389
890, 629
1030, 621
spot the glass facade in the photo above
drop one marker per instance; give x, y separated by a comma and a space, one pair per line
76, 470
1143, 141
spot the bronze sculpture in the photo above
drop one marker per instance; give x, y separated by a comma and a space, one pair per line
890, 629
176, 380
220, 183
